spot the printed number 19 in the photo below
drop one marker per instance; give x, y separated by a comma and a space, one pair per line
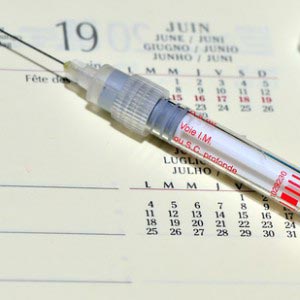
84, 30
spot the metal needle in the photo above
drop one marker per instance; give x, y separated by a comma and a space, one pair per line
33, 47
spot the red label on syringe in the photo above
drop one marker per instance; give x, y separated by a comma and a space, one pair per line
239, 158
290, 191
199, 137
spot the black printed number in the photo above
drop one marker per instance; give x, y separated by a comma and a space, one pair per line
85, 31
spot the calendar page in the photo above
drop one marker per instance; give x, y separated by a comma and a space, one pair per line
91, 211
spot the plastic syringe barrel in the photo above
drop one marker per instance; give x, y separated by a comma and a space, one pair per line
165, 119
143, 107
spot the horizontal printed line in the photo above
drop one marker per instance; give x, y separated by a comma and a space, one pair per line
61, 233
210, 76
33, 280
57, 187
190, 190
160, 74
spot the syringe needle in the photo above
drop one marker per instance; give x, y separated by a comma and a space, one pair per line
32, 47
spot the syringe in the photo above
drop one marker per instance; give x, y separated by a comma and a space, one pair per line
145, 108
